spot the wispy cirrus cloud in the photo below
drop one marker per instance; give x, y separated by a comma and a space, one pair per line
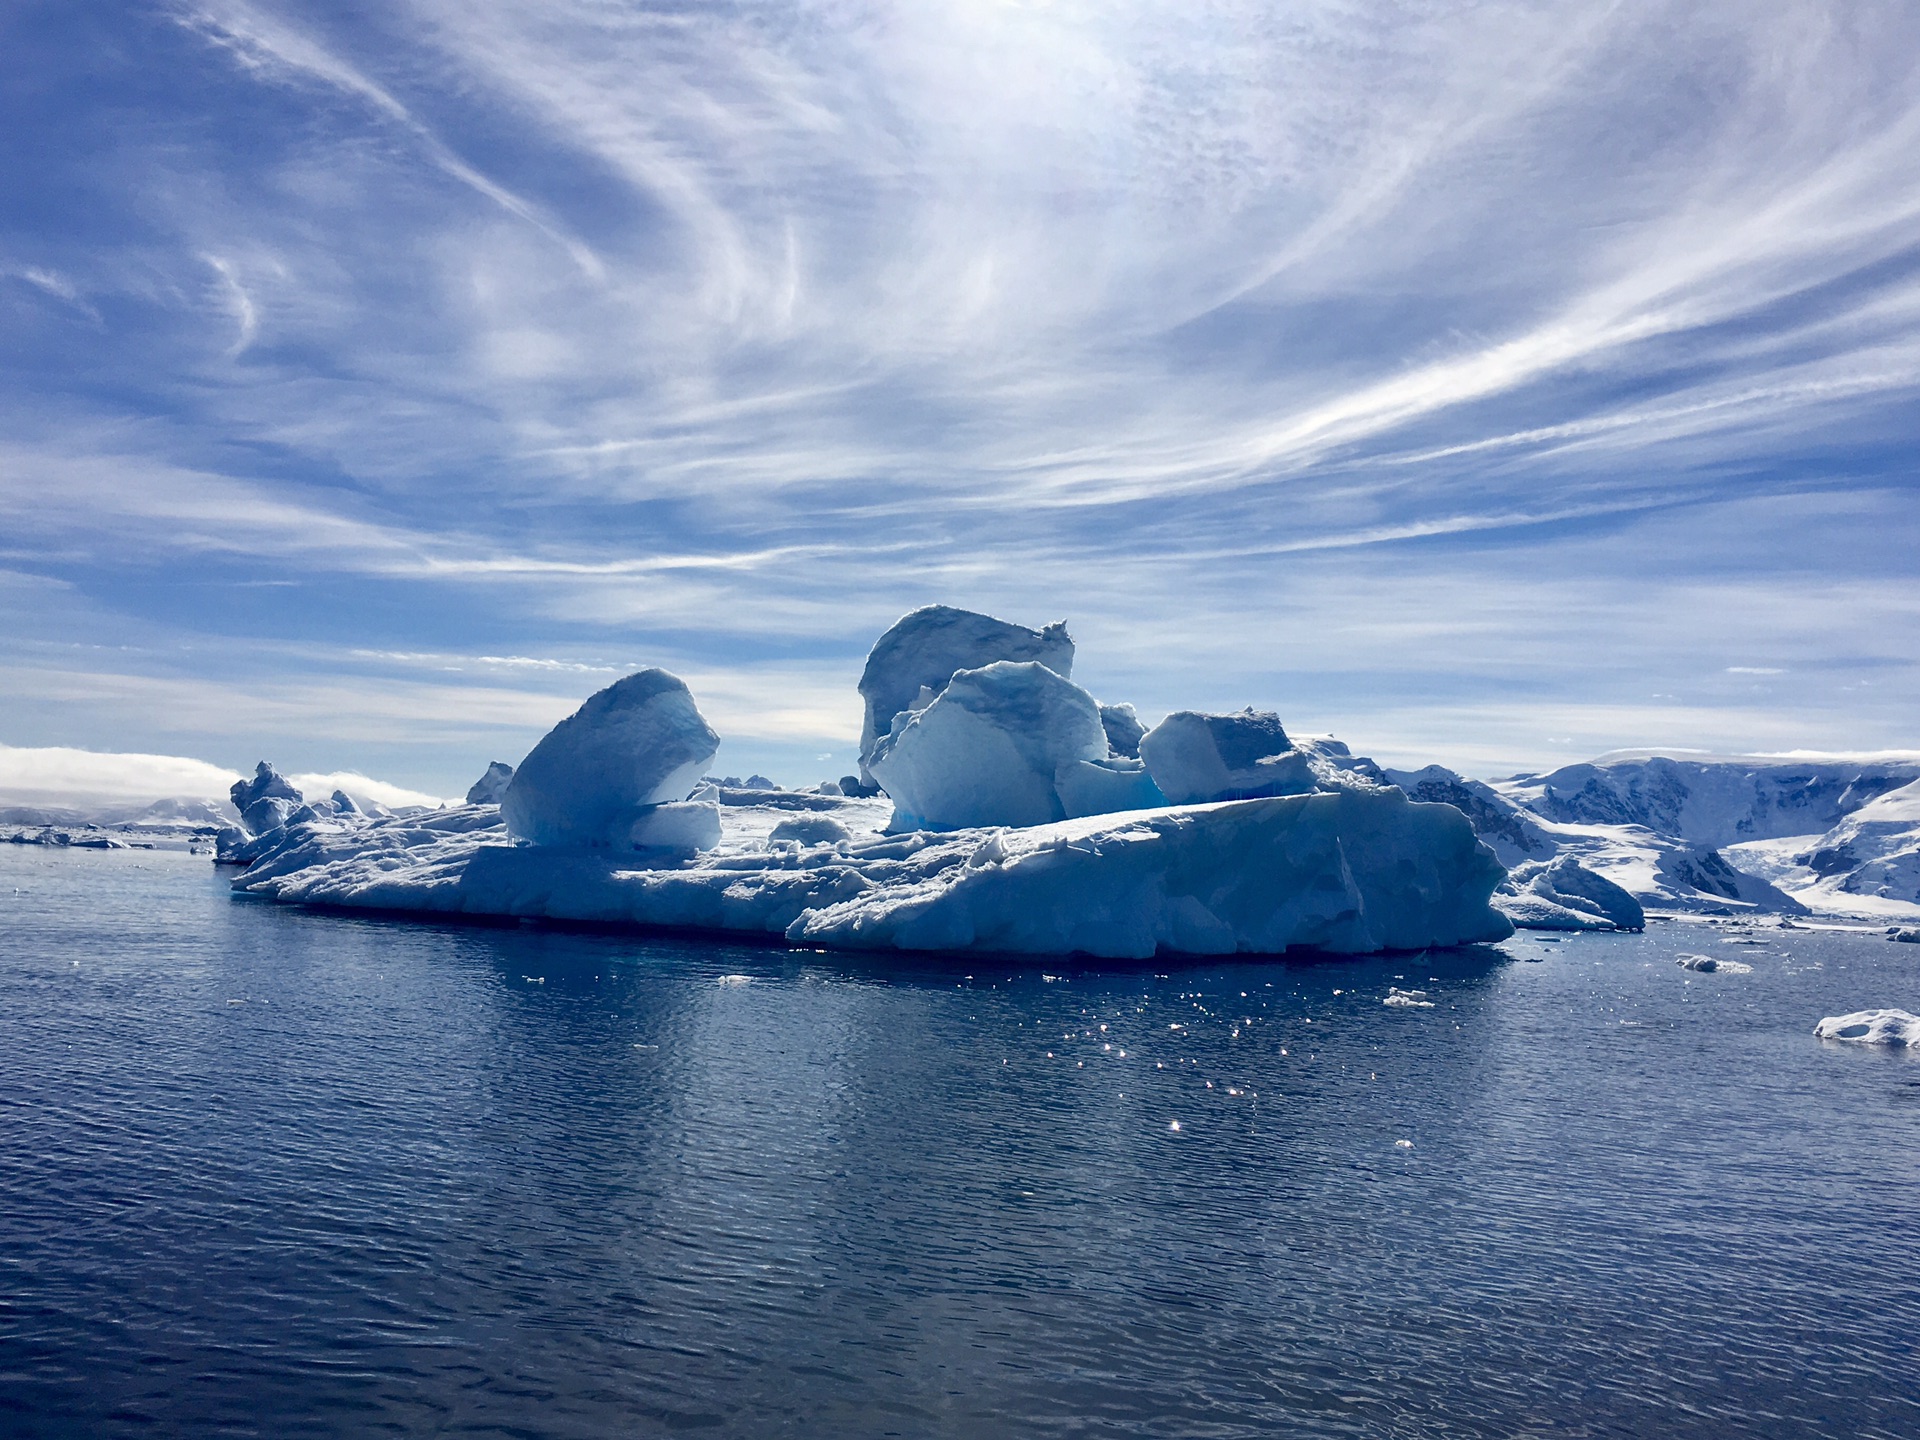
513, 328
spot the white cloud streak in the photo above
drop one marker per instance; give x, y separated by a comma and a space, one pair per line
740, 329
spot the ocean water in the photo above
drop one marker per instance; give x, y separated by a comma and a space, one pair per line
265, 1172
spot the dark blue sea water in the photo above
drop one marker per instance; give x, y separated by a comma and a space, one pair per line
265, 1172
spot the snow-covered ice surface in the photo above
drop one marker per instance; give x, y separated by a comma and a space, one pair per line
1865, 859
1709, 803
1830, 836
1867, 864
1349, 872
1872, 1027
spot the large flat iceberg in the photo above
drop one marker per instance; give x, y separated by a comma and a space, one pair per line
1014, 822
1345, 872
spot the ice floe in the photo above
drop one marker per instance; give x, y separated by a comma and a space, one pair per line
1712, 964
1872, 1027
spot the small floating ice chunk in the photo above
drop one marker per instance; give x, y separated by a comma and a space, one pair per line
1711, 965
1410, 999
1872, 1027
735, 980
1403, 1144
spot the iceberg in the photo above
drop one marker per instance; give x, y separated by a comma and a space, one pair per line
1872, 1027
1563, 894
1196, 758
1351, 872
1016, 825
637, 744
1712, 965
923, 650
987, 750
488, 789
265, 801
1513, 834
1346, 872
1124, 730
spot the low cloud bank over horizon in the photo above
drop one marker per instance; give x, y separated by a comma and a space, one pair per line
56, 776
1492, 384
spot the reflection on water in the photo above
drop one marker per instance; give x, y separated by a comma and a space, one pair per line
275, 1173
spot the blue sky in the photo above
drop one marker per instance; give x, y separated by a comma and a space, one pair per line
1491, 383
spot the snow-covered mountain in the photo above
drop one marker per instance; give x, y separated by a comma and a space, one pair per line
1826, 834
1711, 802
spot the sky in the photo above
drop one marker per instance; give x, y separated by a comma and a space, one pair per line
1487, 383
